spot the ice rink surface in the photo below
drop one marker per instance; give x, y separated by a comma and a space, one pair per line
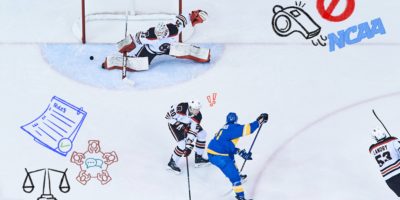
88, 71
314, 146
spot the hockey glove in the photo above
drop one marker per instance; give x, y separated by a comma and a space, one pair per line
247, 156
188, 150
198, 128
263, 118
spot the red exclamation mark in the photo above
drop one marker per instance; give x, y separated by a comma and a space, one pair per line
209, 101
212, 99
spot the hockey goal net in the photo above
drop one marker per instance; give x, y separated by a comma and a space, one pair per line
103, 21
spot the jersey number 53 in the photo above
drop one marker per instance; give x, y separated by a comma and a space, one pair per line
382, 158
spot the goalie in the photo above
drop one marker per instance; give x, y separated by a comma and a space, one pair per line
159, 40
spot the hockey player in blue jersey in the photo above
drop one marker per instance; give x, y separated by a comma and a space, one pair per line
222, 149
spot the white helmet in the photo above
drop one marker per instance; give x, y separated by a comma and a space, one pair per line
161, 30
379, 134
194, 105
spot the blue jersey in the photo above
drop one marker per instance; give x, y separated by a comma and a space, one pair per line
224, 142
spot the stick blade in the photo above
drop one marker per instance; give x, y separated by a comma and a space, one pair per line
128, 81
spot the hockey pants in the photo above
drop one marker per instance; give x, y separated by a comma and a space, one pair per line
394, 184
227, 165
180, 134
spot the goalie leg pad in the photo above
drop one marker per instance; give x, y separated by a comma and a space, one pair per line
133, 63
188, 51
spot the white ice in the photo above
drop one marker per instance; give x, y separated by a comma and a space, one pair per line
315, 145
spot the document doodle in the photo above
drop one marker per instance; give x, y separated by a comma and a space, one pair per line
57, 127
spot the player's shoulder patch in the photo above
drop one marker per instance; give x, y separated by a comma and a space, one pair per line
151, 34
173, 30
371, 147
182, 108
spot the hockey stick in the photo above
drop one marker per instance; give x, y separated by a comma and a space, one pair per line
251, 147
373, 111
187, 171
125, 56
188, 176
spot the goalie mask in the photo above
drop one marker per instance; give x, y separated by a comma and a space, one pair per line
379, 134
161, 31
198, 17
194, 107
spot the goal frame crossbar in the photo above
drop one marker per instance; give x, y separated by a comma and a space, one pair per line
117, 16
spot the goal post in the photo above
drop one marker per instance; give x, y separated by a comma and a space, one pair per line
101, 18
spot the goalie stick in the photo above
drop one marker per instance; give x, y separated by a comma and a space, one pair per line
125, 61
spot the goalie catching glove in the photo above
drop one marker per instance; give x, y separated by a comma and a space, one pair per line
198, 17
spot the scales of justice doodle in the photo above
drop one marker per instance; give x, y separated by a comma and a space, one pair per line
29, 186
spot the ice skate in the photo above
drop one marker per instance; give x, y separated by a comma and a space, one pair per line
242, 198
199, 161
173, 167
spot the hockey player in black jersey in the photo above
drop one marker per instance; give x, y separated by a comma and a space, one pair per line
184, 124
159, 40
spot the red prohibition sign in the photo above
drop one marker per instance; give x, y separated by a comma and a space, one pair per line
327, 13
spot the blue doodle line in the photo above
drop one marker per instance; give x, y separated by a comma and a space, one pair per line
60, 120
53, 129
56, 125
64, 117
47, 134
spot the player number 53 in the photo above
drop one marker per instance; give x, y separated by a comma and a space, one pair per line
381, 159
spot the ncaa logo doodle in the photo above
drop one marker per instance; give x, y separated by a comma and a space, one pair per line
356, 34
